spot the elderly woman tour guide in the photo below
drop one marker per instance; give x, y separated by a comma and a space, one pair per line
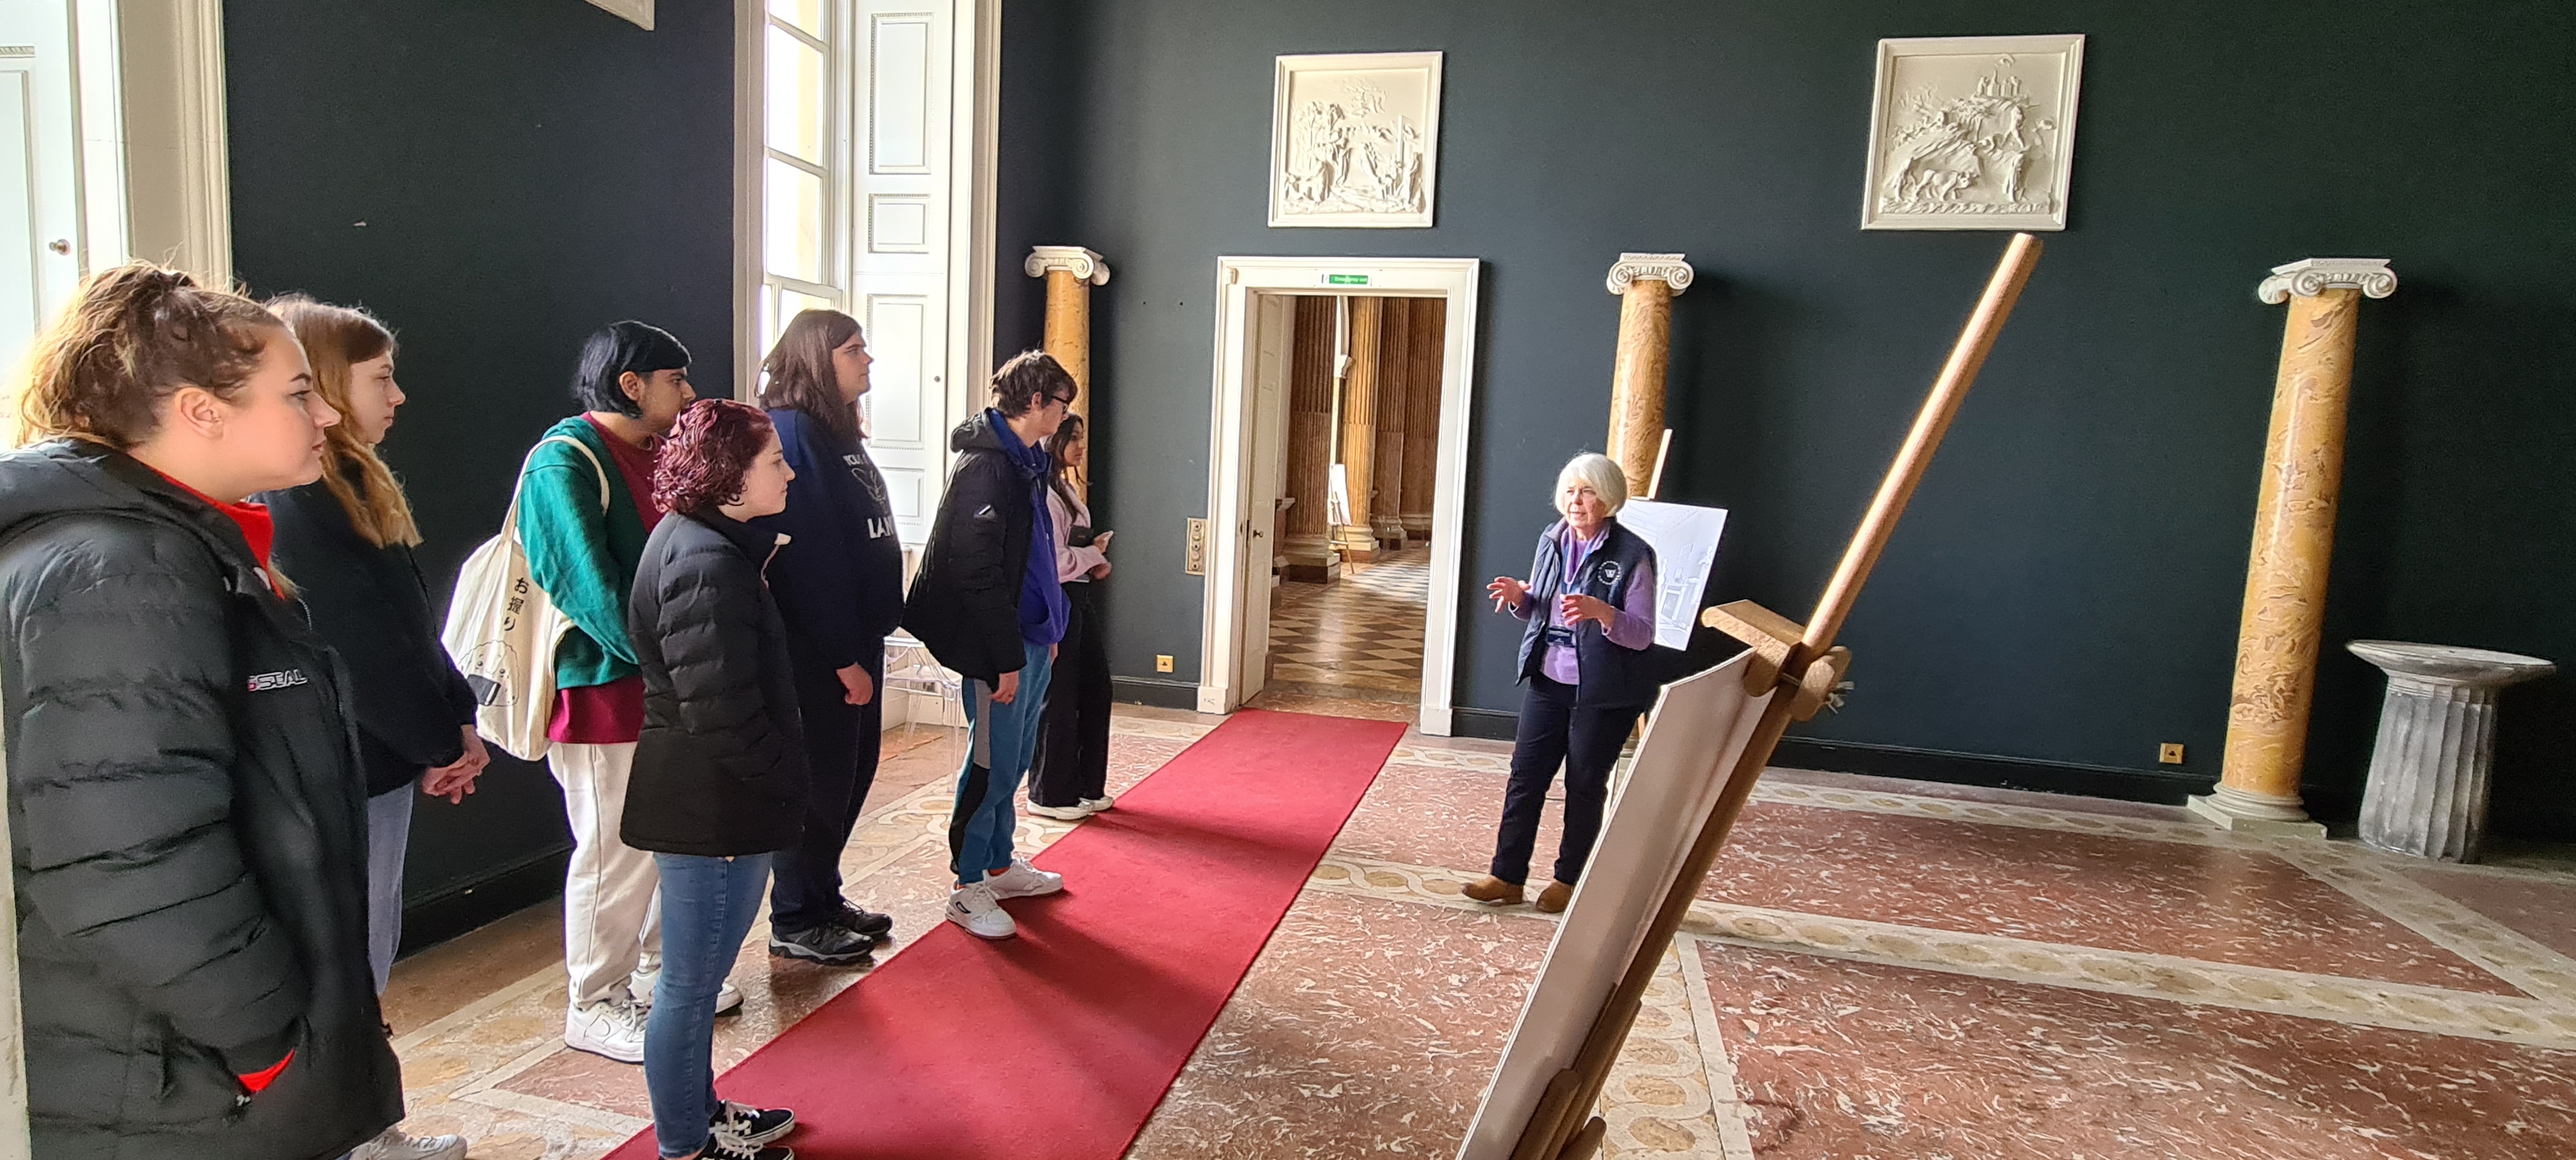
1590, 604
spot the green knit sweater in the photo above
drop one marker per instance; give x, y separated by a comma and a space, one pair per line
582, 557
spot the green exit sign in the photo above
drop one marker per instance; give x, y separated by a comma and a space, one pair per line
1346, 279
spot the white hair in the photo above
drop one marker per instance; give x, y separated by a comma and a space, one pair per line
1598, 470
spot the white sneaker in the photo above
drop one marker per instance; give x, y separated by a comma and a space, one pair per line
1100, 804
975, 908
1072, 813
728, 996
610, 1028
1023, 881
394, 1145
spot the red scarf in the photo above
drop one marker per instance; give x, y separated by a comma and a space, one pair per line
258, 527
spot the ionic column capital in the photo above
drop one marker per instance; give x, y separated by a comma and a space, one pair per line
1671, 269
2308, 277
1074, 260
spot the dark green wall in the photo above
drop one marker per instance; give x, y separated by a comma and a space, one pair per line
495, 178
2065, 587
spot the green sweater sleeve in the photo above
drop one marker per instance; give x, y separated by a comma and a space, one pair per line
565, 533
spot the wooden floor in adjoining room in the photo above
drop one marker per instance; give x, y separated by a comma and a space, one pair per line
1876, 969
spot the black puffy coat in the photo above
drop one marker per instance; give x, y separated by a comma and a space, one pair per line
188, 835
965, 600
370, 603
720, 765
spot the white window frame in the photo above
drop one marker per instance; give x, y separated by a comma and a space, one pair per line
974, 153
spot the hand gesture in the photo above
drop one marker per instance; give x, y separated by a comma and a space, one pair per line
455, 779
1099, 571
1009, 688
1508, 593
1100, 542
1579, 608
856, 688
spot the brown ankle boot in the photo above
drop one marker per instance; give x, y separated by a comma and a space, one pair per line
1493, 891
1553, 899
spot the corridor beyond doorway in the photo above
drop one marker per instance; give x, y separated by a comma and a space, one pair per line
1358, 637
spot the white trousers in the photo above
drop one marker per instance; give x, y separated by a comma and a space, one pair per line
612, 899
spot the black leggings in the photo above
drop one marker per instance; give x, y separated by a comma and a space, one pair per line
1072, 763
1586, 741
841, 762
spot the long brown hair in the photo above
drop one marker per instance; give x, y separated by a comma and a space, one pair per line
1059, 469
131, 336
335, 339
800, 375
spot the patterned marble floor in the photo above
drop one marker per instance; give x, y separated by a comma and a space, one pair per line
1877, 969
1360, 635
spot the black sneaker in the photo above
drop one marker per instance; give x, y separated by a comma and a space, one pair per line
747, 1127
829, 944
723, 1147
865, 922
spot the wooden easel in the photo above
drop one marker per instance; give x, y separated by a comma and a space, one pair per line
1804, 665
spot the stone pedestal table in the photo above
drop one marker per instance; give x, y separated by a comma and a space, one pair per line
2427, 794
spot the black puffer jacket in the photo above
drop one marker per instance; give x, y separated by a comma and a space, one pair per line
370, 603
188, 833
965, 600
720, 766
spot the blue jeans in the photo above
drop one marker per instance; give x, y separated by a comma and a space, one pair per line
708, 905
388, 838
1000, 741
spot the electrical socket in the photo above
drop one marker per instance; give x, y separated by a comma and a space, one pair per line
2169, 753
1162, 662
1195, 562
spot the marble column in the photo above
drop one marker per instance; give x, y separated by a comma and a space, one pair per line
1359, 430
1394, 391
2294, 518
1422, 416
1309, 539
1070, 273
2427, 793
1645, 284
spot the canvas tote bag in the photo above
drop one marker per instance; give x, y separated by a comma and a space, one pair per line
502, 629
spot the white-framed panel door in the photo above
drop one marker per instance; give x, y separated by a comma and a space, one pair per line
40, 187
1273, 315
903, 177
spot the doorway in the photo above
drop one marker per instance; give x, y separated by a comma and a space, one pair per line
1341, 390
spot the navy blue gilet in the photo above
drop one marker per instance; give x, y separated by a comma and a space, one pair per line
1609, 675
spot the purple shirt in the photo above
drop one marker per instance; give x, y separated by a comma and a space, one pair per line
1632, 627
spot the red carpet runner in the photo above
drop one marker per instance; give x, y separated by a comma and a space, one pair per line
1058, 1044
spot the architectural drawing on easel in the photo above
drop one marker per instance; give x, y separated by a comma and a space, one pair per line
1972, 133
1355, 140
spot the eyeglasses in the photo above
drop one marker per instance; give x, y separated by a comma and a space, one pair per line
1061, 400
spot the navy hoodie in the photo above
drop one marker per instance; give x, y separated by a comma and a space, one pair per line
839, 579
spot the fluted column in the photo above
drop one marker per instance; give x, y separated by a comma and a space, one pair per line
1309, 541
2429, 769
1070, 273
1422, 416
1394, 390
1359, 428
1645, 284
2294, 519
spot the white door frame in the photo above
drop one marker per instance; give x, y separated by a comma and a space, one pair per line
1230, 439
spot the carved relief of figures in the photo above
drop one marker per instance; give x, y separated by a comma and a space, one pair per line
1972, 133
1355, 140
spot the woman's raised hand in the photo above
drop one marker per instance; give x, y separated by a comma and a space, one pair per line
1578, 608
1508, 593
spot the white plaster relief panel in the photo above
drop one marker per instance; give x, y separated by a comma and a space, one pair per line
1972, 133
1355, 140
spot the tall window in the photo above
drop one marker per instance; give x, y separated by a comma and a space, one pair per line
862, 144
802, 183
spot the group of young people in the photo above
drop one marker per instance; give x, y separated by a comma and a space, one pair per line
223, 687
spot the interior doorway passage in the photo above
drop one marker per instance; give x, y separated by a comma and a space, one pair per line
1350, 583
1338, 449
